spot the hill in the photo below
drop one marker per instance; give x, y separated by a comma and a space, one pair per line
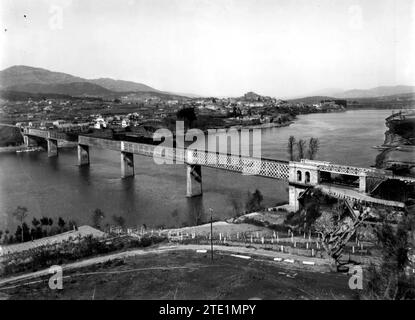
41, 81
311, 99
382, 91
122, 85
22, 75
71, 89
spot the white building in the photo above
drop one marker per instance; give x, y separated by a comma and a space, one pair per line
100, 123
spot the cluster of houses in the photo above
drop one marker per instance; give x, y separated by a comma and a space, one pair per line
84, 114
96, 121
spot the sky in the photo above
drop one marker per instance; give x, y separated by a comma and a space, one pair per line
280, 48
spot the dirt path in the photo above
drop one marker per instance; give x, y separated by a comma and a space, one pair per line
288, 260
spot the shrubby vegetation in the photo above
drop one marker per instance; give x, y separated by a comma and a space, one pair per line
393, 279
313, 203
46, 226
39, 228
71, 250
254, 202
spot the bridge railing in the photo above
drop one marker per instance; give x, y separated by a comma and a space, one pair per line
36, 132
100, 143
342, 169
372, 173
173, 154
58, 135
246, 165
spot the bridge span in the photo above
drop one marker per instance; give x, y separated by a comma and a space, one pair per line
300, 175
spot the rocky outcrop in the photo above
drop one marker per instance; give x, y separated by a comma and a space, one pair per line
400, 142
393, 140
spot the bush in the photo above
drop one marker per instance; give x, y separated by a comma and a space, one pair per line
46, 256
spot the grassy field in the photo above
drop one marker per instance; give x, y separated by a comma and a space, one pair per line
188, 275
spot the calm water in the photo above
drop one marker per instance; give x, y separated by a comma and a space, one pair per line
156, 196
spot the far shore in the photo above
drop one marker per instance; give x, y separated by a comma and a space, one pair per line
12, 148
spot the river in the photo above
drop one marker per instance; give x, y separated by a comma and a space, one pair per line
156, 196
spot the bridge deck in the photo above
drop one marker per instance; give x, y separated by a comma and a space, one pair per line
247, 165
351, 194
270, 168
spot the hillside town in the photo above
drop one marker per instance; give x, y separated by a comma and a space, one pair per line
130, 112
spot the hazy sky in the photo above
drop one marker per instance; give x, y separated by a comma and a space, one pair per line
219, 47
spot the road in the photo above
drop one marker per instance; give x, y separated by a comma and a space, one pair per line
290, 261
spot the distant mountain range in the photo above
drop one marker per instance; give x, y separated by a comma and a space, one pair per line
36, 80
381, 91
25, 80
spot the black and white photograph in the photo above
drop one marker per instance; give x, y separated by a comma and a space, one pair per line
219, 151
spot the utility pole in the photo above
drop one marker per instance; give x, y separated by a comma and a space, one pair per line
211, 234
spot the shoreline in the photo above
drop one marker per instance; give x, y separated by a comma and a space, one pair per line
263, 125
12, 149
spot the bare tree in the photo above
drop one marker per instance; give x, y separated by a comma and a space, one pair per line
20, 215
301, 148
290, 147
313, 146
336, 234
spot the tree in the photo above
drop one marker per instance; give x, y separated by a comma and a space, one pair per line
19, 233
119, 221
336, 233
20, 215
97, 216
313, 146
254, 201
72, 225
187, 114
44, 221
61, 223
36, 231
6, 239
389, 281
301, 149
236, 206
26, 232
35, 223
290, 147
22, 233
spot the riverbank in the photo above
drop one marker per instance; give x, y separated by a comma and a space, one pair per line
12, 149
263, 125
398, 149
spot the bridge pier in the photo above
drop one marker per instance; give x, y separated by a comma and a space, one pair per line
127, 164
194, 180
362, 183
83, 155
294, 194
29, 141
52, 147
